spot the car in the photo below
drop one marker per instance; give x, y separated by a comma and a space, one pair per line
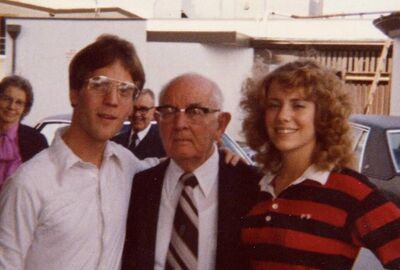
48, 126
377, 147
376, 142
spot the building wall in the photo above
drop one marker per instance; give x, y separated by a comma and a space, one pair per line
227, 65
46, 46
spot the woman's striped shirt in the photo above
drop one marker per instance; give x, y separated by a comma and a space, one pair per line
322, 225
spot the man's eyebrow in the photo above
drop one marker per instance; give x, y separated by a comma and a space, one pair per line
195, 105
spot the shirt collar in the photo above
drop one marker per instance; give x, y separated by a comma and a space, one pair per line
66, 158
312, 173
206, 174
141, 134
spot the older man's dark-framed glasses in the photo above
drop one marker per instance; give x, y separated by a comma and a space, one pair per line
193, 113
102, 85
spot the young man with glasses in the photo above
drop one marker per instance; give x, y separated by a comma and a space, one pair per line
66, 208
185, 213
143, 139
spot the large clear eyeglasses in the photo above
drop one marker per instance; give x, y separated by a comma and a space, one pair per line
102, 85
194, 113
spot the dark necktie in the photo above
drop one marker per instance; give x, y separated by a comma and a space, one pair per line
183, 248
134, 138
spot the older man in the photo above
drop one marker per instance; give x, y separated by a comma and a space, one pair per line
185, 213
143, 139
66, 208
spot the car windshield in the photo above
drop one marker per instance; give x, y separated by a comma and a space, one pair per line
49, 129
394, 144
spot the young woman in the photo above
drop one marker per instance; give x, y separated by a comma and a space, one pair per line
18, 142
314, 212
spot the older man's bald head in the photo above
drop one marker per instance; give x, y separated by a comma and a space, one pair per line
199, 82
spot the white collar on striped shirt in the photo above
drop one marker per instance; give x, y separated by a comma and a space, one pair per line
312, 173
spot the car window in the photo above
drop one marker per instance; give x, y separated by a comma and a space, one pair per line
48, 129
360, 135
235, 148
394, 146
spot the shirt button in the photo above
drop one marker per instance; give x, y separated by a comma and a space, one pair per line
275, 206
268, 218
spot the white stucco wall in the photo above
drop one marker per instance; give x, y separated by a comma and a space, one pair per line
227, 65
46, 46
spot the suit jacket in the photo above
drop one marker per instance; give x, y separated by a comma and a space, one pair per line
149, 146
30, 142
237, 189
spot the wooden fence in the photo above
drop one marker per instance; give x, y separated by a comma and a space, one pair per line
357, 68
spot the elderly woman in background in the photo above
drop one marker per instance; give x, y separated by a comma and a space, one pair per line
18, 142
314, 211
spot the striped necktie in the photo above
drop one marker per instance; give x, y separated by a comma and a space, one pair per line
183, 248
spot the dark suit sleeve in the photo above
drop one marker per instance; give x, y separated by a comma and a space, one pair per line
139, 249
122, 138
30, 142
238, 188
130, 248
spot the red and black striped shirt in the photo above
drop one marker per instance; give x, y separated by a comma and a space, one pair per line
315, 226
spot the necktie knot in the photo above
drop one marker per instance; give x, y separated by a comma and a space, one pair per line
189, 179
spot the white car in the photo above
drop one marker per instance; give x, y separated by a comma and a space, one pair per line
48, 126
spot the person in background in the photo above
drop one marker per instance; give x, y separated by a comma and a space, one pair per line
143, 139
18, 142
193, 189
314, 211
66, 208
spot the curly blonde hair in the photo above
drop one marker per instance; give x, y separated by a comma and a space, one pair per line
333, 107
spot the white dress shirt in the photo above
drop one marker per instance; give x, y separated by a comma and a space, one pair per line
58, 212
206, 198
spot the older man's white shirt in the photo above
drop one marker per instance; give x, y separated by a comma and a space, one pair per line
58, 212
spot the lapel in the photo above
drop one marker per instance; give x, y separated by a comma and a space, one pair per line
153, 204
24, 142
123, 138
225, 197
230, 200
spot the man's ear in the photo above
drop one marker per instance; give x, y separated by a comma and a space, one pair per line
73, 97
223, 120
157, 117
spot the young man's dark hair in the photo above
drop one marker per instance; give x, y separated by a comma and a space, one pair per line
104, 51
